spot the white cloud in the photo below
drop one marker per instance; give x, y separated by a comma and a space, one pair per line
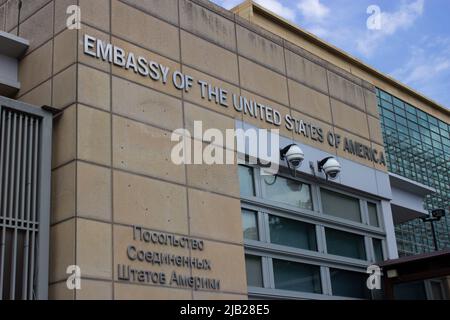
403, 18
428, 68
391, 22
423, 66
278, 8
313, 9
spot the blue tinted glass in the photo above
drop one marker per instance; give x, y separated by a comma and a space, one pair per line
399, 103
250, 224
390, 123
246, 181
435, 136
434, 128
402, 129
427, 140
388, 114
423, 123
432, 120
295, 276
292, 233
373, 214
399, 111
387, 105
340, 205
345, 244
411, 117
254, 271
422, 114
413, 125
340, 280
410, 291
425, 131
290, 192
410, 108
385, 96
401, 120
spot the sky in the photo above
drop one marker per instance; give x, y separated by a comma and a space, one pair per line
406, 39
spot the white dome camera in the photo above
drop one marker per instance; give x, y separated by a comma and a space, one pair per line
293, 155
330, 166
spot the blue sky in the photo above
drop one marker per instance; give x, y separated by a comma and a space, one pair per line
410, 41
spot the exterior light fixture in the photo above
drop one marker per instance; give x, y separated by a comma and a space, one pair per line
436, 215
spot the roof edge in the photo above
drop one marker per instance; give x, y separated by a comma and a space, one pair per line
340, 53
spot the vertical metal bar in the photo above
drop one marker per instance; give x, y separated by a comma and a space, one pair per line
11, 192
28, 200
3, 158
24, 218
34, 203
45, 151
13, 165
15, 211
30, 208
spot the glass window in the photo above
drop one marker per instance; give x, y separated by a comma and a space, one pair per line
388, 114
422, 114
385, 96
411, 117
436, 136
378, 249
399, 103
246, 181
402, 121
292, 233
340, 205
402, 128
432, 120
400, 112
349, 284
289, 192
437, 290
410, 108
443, 125
387, 105
345, 244
410, 291
250, 224
389, 123
425, 131
296, 276
373, 214
253, 268
434, 128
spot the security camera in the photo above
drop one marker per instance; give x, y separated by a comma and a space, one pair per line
293, 155
438, 213
330, 166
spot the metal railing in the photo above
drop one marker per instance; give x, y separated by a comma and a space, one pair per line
25, 140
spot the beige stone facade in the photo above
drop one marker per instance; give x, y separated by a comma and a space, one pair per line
111, 153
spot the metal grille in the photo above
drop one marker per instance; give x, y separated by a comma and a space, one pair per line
19, 218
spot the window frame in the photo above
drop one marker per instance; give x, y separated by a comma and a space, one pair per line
268, 251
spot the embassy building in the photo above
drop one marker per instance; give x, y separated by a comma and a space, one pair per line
94, 205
